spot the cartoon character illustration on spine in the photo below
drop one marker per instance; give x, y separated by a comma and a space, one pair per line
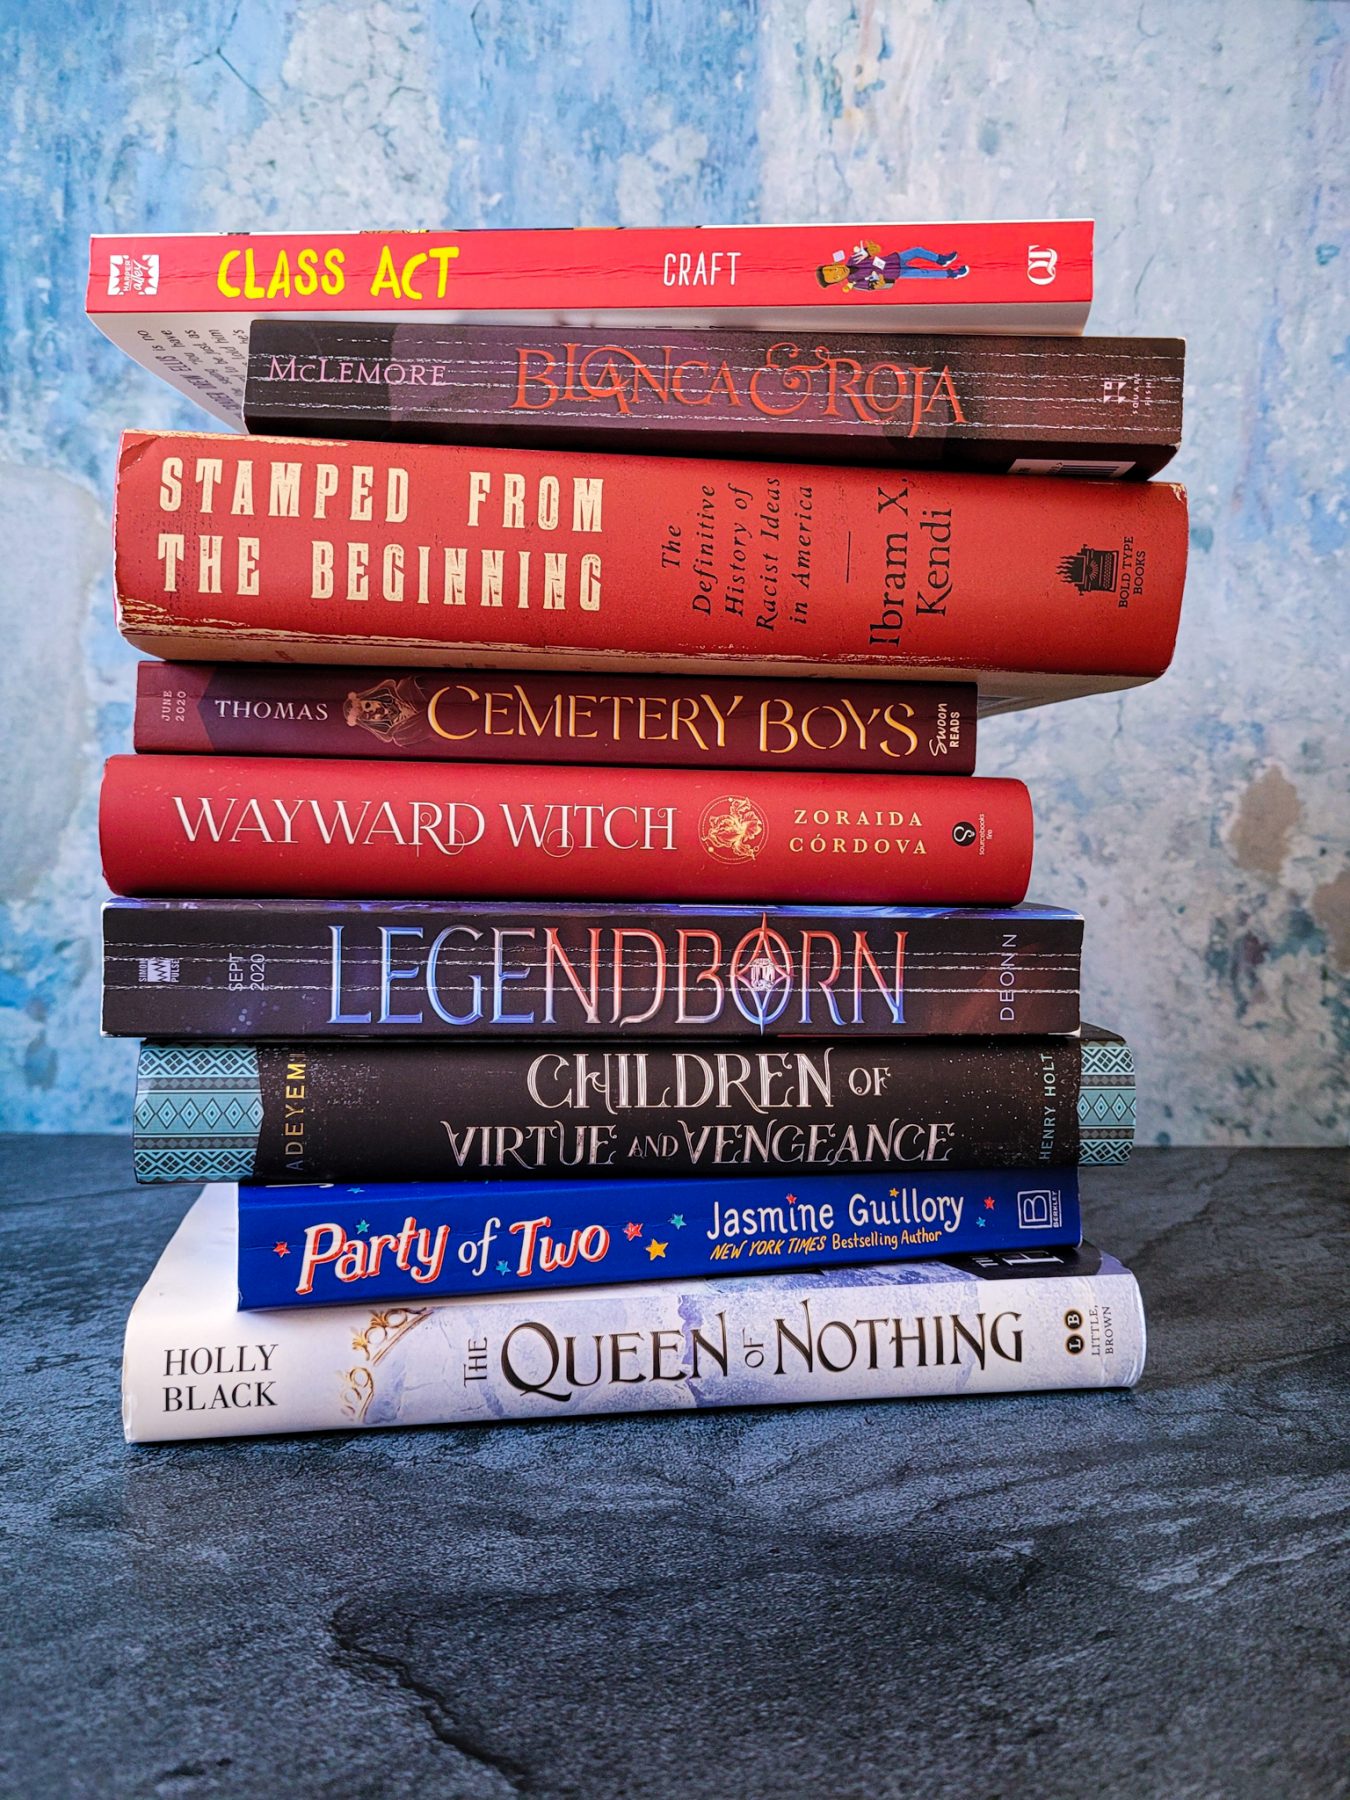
394, 711
866, 269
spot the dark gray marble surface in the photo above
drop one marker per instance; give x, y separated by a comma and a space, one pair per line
1099, 1594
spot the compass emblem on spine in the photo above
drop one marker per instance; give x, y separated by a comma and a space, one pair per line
733, 829
761, 975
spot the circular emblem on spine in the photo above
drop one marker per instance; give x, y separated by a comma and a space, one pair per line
963, 832
733, 829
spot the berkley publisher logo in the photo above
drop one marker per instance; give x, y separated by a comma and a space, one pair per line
133, 274
733, 829
1090, 571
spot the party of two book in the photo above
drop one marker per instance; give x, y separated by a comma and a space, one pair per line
566, 929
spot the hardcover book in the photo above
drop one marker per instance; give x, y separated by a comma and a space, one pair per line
360, 968
1101, 407
446, 556
316, 1245
182, 304
1024, 1321
659, 721
293, 828
312, 1111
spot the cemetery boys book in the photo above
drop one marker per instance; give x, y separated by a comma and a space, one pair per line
1025, 1320
313, 1245
457, 715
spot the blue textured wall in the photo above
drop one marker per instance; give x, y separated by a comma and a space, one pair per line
1200, 824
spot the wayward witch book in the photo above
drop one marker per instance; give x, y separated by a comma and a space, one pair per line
367, 969
407, 1111
323, 1243
1022, 1321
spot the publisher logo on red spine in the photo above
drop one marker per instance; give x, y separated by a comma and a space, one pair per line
732, 829
133, 274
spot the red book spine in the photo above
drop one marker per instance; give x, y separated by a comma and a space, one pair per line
888, 267
261, 549
289, 828
235, 709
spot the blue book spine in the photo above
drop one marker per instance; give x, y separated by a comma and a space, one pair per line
320, 1244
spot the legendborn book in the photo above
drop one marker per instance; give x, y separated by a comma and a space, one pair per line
992, 1322
313, 1111
397, 969
313, 1245
1099, 407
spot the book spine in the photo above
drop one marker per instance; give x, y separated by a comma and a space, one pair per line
252, 825
344, 969
885, 268
886, 1334
1104, 406
416, 1112
658, 722
260, 549
306, 1246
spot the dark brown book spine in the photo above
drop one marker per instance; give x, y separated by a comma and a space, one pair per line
1104, 407
245, 969
656, 721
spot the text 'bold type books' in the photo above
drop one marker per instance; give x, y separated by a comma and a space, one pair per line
351, 968
1024, 1321
313, 1111
308, 1246
658, 721
295, 828
1103, 407
266, 549
181, 304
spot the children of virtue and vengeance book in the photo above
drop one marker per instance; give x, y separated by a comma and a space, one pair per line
182, 305
553, 887
991, 1322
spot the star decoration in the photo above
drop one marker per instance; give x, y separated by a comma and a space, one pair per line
632, 1231
989, 1203
503, 1268
654, 1250
356, 1190
363, 1225
895, 1193
980, 1222
677, 1220
280, 1249
791, 1199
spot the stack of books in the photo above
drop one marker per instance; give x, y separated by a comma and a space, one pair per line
564, 923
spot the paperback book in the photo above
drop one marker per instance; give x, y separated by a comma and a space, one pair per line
439, 555
1021, 1321
1100, 407
320, 1244
406, 1111
181, 304
359, 968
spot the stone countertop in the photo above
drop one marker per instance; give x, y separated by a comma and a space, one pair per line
1131, 1594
